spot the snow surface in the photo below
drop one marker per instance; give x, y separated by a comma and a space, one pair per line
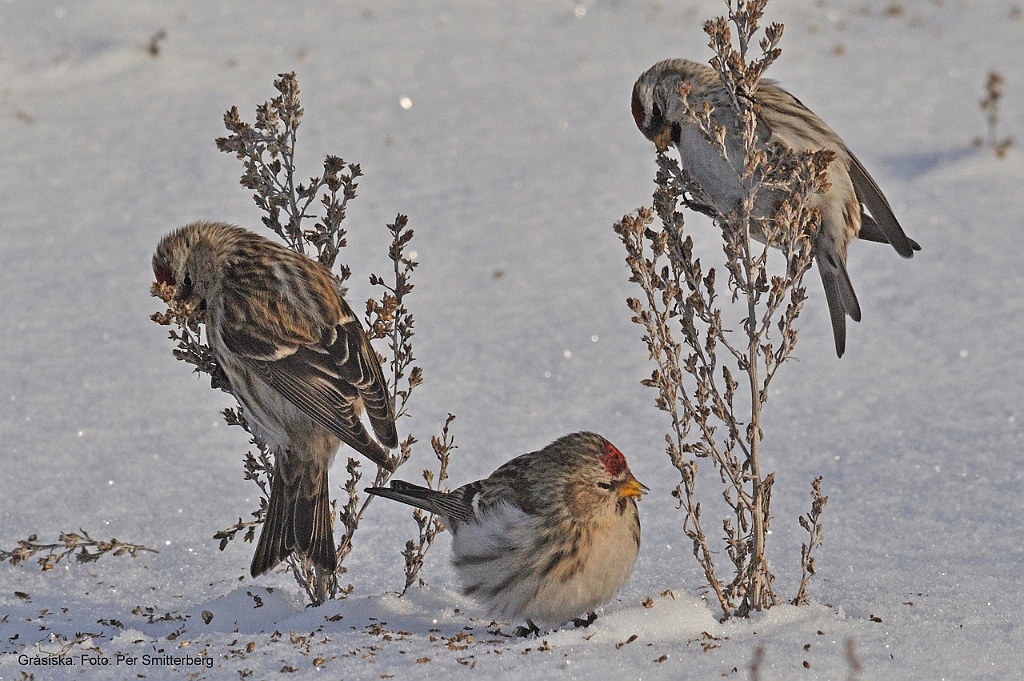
503, 130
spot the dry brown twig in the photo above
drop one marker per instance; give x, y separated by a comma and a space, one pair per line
712, 379
267, 151
853, 664
81, 544
994, 85
428, 525
812, 524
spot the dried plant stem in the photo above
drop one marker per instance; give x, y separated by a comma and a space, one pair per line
81, 544
755, 663
994, 85
760, 594
428, 525
711, 379
853, 664
267, 151
812, 524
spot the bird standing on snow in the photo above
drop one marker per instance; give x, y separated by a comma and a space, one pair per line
781, 119
297, 360
548, 536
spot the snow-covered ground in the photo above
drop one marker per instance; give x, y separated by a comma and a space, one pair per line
503, 130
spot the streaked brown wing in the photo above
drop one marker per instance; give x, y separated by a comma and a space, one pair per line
870, 231
871, 196
256, 323
510, 483
357, 363
308, 380
323, 376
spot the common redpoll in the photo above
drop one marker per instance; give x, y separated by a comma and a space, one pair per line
548, 536
782, 119
297, 360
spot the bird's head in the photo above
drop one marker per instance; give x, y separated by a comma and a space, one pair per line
620, 480
183, 257
657, 105
598, 473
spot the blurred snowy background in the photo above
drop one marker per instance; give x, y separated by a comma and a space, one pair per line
503, 130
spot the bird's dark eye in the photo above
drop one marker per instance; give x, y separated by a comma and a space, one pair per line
604, 485
187, 281
656, 114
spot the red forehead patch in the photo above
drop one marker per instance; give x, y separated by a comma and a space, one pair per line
164, 275
638, 111
613, 460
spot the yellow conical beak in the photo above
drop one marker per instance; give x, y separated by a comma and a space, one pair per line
633, 488
663, 138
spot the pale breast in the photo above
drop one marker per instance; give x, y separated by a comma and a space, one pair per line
270, 415
520, 568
